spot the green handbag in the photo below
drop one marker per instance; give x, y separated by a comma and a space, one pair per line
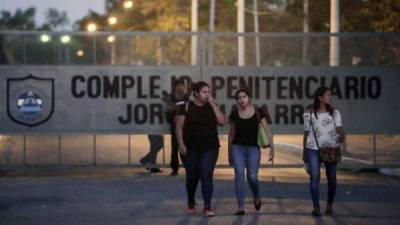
262, 138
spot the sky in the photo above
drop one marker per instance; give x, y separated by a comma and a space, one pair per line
75, 9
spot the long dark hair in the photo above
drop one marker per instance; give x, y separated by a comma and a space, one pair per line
242, 90
317, 103
197, 86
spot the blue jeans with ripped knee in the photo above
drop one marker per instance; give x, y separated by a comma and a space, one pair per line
245, 157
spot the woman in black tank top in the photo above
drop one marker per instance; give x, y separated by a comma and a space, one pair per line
244, 152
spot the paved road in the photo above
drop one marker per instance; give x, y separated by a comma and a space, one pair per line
130, 196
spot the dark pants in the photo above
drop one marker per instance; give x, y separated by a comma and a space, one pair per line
314, 161
156, 144
174, 151
199, 166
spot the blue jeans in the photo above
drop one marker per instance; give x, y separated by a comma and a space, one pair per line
314, 161
199, 166
245, 157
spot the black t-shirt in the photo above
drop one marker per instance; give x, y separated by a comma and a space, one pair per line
173, 100
200, 129
246, 130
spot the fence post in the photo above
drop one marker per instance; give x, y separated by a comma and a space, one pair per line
210, 53
94, 50
201, 54
59, 150
163, 148
374, 149
272, 162
94, 150
129, 149
59, 54
24, 150
24, 50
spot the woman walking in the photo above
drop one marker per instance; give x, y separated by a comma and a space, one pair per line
244, 152
322, 131
196, 129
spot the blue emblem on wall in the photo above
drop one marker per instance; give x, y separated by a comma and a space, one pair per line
30, 100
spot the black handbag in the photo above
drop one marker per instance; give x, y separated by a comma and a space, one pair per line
327, 154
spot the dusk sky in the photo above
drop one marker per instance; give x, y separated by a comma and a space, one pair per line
75, 9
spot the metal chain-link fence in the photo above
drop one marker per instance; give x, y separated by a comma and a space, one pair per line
166, 49
213, 49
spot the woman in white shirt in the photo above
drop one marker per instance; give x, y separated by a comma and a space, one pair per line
327, 125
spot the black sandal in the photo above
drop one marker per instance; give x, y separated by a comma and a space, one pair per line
316, 212
257, 203
239, 213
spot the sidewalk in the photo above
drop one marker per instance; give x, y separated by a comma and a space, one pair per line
125, 196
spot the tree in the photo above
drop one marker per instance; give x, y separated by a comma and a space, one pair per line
166, 15
21, 20
274, 16
55, 19
372, 16
100, 20
25, 20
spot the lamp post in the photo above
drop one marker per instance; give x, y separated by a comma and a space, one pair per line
91, 28
256, 31
241, 30
112, 20
128, 4
194, 28
211, 29
45, 38
111, 39
305, 31
65, 40
334, 53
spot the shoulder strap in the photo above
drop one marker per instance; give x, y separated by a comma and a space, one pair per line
187, 106
333, 117
235, 111
313, 131
257, 114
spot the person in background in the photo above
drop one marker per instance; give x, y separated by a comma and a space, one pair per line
149, 160
177, 98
